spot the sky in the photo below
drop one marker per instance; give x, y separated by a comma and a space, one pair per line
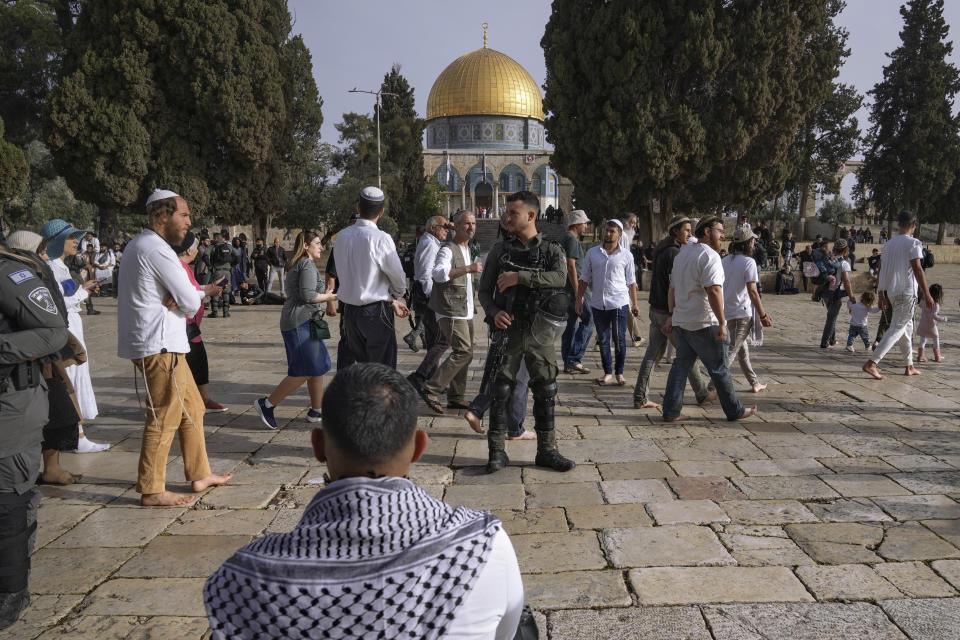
355, 43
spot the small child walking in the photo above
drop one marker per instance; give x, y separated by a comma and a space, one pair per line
858, 319
927, 328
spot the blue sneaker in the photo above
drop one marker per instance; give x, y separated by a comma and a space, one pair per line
265, 414
314, 416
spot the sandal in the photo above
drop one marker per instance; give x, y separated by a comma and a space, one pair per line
433, 403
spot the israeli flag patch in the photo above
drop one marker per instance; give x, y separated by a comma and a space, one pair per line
21, 276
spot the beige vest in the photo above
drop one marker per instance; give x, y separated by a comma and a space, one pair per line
450, 298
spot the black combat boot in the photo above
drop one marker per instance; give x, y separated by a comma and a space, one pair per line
544, 400
497, 432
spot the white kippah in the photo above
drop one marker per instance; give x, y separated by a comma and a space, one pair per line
161, 194
616, 222
372, 194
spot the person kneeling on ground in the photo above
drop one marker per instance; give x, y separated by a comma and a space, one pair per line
374, 555
249, 293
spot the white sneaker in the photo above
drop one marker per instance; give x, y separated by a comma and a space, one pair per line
88, 446
850, 349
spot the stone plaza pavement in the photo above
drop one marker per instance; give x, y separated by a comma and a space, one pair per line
834, 514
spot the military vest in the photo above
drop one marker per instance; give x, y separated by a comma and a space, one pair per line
450, 298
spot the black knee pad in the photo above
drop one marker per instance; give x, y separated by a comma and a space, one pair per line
544, 390
502, 390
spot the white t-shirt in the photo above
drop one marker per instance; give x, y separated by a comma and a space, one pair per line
896, 276
738, 270
695, 267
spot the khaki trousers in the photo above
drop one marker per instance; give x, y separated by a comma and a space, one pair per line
452, 372
174, 407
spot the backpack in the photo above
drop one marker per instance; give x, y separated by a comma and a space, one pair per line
222, 254
408, 260
927, 261
827, 265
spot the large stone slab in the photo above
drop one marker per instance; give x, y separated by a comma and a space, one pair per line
571, 589
483, 496
919, 507
862, 485
700, 585
552, 552
147, 597
911, 541
580, 473
848, 510
767, 511
915, 580
129, 628
868, 464
711, 488
680, 545
58, 571
560, 495
607, 451
926, 618
54, 520
761, 546
947, 529
608, 516
655, 623
868, 445
949, 569
217, 522
118, 527
182, 556
635, 470
244, 496
701, 468
929, 482
785, 487
532, 520
687, 511
838, 542
782, 467
846, 582
634, 491
820, 621
735, 448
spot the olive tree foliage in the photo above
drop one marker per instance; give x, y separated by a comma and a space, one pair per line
210, 98
693, 104
912, 149
13, 171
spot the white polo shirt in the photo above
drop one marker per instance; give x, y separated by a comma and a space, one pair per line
368, 265
609, 276
696, 266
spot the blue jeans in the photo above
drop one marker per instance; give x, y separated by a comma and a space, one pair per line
607, 321
701, 344
862, 332
656, 347
576, 337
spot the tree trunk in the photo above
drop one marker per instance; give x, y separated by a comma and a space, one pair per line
941, 232
107, 225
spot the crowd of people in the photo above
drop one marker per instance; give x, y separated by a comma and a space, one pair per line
705, 299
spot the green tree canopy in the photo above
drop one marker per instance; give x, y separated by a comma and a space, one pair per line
912, 150
210, 98
692, 101
13, 169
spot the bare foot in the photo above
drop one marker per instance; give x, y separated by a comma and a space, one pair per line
752, 411
474, 422
832, 347
620, 380
710, 398
679, 418
605, 380
871, 368
938, 358
165, 499
921, 359
759, 388
59, 476
200, 485
526, 435
649, 404
911, 371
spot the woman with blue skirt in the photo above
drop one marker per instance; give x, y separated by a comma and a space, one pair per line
307, 357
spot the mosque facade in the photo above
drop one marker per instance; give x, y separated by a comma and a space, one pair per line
485, 138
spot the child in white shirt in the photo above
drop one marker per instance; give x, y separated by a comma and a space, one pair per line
858, 319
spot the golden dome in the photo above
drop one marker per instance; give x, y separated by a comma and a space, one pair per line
485, 82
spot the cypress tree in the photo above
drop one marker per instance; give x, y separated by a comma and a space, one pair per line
691, 102
911, 151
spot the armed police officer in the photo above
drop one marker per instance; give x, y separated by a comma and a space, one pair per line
522, 293
32, 333
222, 258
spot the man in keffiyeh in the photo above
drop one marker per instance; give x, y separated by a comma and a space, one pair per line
374, 556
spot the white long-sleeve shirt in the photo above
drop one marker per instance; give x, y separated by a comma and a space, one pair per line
441, 273
145, 327
609, 276
73, 302
368, 266
424, 260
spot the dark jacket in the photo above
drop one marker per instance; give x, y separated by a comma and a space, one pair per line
663, 255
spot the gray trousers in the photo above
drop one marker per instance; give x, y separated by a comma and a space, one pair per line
655, 350
452, 372
738, 330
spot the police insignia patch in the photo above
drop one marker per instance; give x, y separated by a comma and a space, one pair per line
42, 298
21, 276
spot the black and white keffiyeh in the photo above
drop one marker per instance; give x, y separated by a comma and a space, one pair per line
371, 558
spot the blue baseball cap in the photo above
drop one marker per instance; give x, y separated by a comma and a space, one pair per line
56, 232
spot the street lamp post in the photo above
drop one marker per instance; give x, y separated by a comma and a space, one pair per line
379, 93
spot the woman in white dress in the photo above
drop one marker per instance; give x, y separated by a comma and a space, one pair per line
62, 240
